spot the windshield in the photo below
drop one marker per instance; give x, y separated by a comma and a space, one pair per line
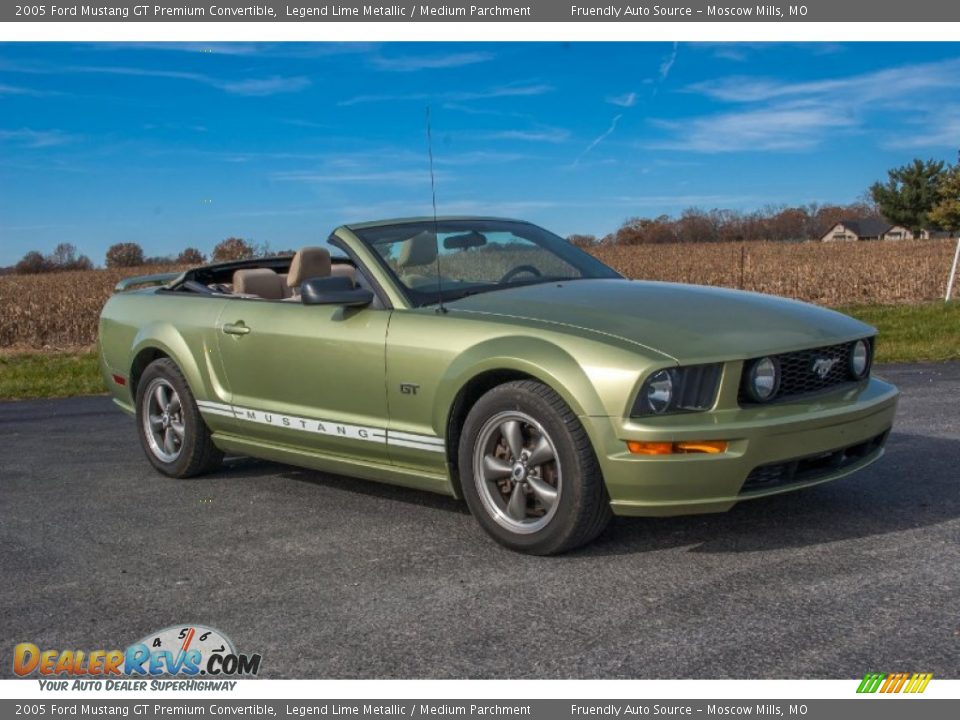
475, 256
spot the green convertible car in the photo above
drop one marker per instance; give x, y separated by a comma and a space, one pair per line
491, 360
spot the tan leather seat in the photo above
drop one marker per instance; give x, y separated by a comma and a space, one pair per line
260, 282
419, 250
344, 270
287, 290
309, 262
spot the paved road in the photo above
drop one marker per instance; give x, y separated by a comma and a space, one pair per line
330, 577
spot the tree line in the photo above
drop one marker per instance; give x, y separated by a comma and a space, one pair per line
921, 195
130, 254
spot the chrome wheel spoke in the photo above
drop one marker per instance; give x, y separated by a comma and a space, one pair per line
494, 468
517, 507
162, 420
546, 494
510, 430
160, 396
517, 473
542, 452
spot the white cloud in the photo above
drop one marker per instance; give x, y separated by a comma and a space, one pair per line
668, 62
854, 89
937, 130
626, 100
245, 86
599, 139
264, 86
519, 90
384, 177
14, 90
30, 138
548, 135
429, 62
784, 128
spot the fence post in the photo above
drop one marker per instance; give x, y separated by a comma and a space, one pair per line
953, 272
743, 253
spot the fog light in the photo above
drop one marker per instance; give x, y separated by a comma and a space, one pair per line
860, 359
764, 379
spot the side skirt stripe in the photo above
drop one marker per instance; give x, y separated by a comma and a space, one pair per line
395, 438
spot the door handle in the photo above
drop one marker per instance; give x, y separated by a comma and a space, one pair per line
237, 328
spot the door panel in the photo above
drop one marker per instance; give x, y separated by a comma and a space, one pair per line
413, 369
309, 376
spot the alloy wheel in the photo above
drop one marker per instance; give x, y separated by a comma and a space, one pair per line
517, 472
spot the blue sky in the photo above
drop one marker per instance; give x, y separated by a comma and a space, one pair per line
176, 145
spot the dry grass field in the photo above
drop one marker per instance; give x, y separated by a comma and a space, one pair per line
59, 311
867, 273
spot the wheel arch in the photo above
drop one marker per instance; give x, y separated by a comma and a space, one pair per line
162, 340
141, 361
486, 366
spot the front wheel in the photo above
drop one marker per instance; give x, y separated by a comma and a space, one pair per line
174, 436
529, 473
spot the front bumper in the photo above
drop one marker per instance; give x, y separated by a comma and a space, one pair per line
765, 439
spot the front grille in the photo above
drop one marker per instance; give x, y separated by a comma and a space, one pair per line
811, 467
797, 374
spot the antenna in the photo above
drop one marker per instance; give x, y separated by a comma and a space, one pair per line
433, 196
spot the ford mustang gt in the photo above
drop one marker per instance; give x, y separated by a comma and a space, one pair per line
493, 361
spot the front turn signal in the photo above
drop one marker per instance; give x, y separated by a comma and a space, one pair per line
710, 447
649, 448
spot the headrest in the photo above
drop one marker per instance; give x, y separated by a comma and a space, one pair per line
421, 249
262, 282
309, 262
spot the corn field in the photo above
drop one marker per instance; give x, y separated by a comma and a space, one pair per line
863, 273
60, 310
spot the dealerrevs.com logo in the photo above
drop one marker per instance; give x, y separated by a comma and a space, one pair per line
179, 651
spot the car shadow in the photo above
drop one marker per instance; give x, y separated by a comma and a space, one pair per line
245, 467
916, 484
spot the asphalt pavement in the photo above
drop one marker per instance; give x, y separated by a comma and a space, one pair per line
330, 577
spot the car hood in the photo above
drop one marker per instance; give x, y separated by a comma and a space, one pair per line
685, 322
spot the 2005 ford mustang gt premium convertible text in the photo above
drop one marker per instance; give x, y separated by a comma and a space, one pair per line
491, 360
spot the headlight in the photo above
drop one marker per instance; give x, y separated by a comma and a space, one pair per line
689, 388
860, 359
764, 379
658, 391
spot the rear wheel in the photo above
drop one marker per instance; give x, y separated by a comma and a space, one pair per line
174, 436
529, 473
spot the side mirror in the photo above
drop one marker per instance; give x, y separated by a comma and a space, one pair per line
333, 291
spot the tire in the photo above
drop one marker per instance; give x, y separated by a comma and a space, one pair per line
540, 508
174, 436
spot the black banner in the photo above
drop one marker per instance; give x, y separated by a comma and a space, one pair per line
485, 11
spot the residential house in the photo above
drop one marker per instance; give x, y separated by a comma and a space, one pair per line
870, 229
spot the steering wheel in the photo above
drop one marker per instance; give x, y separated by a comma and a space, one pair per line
512, 272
